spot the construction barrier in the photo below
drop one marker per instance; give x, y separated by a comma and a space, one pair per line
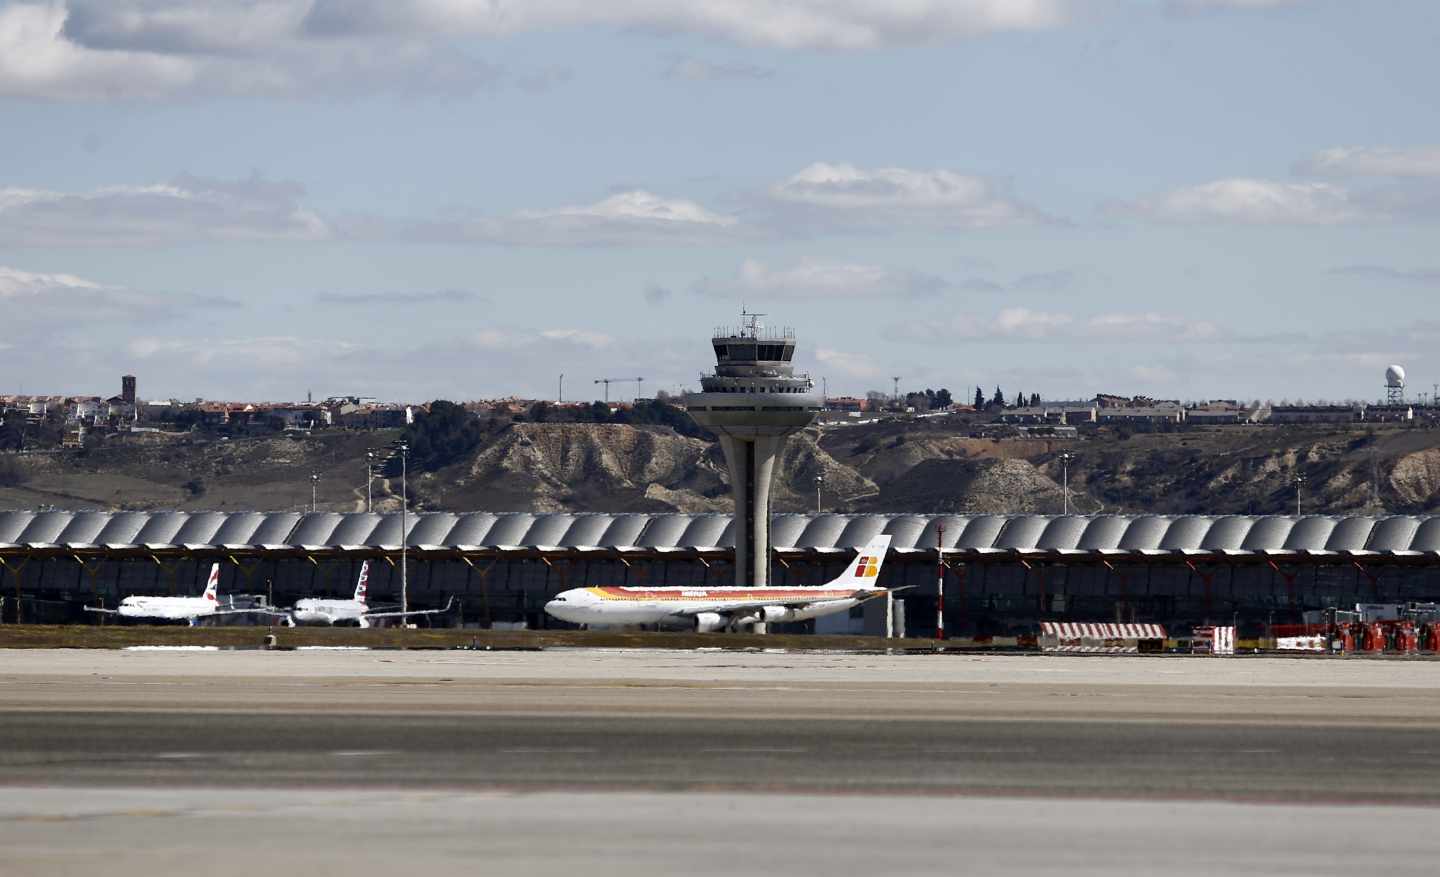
1302, 643
1372, 637
1222, 641
1430, 638
1407, 638
1212, 640
1099, 637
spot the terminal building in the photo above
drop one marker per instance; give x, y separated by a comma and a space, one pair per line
1003, 575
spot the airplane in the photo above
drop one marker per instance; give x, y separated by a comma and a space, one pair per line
713, 609
355, 611
187, 609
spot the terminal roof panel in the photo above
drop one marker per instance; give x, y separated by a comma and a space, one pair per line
1104, 534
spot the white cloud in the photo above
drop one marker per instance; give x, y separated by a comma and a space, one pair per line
820, 280
148, 49
856, 365
274, 351
37, 299
633, 218
786, 24
105, 49
1026, 323
185, 209
636, 206
892, 193
578, 337
17, 286
1255, 202
1373, 161
1020, 324
189, 209
37, 60
1160, 327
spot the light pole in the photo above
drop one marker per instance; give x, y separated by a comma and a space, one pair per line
369, 479
819, 481
314, 486
1065, 459
940, 583
404, 508
560, 396
1299, 485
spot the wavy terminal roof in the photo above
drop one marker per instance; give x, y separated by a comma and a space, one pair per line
1100, 535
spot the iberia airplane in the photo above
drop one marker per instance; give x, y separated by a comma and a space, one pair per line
710, 609
186, 609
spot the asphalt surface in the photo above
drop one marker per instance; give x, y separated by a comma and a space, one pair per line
144, 833
642, 762
1001, 757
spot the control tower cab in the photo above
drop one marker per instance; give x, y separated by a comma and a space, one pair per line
752, 402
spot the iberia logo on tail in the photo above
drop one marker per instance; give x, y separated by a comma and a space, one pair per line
868, 567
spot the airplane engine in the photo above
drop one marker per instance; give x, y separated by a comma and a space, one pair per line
777, 614
706, 622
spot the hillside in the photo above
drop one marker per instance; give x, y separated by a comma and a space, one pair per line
898, 466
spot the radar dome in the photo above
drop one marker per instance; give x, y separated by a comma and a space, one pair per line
1394, 376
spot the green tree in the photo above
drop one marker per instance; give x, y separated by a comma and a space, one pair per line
979, 398
443, 435
999, 399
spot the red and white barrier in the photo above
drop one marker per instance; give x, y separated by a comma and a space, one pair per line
1222, 641
1096, 637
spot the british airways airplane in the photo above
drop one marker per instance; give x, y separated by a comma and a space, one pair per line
712, 609
356, 611
188, 609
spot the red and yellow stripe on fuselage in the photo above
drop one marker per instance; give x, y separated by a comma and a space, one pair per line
705, 595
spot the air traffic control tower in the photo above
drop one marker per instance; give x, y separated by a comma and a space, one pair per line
752, 402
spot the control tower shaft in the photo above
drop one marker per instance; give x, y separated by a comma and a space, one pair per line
753, 401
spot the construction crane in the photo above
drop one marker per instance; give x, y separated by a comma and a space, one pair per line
608, 381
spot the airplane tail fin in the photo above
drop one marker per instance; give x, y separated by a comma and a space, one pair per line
212, 586
864, 572
362, 585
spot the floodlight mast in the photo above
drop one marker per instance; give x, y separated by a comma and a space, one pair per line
404, 511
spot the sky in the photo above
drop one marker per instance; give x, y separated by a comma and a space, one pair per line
417, 199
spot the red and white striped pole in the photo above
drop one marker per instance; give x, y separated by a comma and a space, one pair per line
940, 582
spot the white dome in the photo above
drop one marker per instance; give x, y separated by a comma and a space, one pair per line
1394, 376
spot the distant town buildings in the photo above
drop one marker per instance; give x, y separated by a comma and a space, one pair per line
72, 420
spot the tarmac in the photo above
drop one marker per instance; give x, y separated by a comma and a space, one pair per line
640, 762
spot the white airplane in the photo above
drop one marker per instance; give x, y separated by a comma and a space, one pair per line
356, 611
711, 609
187, 609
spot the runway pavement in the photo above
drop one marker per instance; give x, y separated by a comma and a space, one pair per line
913, 755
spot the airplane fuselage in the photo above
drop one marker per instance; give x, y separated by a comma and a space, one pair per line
166, 608
628, 605
321, 611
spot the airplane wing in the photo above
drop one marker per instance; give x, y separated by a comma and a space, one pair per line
102, 611
860, 595
731, 609
412, 612
252, 611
